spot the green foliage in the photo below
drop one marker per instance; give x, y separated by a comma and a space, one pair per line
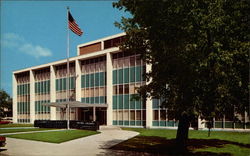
5, 102
199, 51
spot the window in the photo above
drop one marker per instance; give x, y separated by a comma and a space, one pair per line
155, 115
126, 75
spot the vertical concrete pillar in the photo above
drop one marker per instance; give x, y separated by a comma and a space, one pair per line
32, 97
52, 92
109, 88
201, 123
149, 109
78, 80
78, 84
14, 92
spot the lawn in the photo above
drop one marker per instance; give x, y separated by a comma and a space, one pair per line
161, 141
2, 131
56, 136
15, 125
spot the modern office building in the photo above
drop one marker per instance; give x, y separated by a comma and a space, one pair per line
104, 79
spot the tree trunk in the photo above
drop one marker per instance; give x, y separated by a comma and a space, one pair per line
182, 132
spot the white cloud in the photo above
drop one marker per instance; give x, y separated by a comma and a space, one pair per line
12, 40
34, 50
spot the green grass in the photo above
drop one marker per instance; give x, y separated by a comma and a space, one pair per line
15, 125
55, 137
2, 131
161, 141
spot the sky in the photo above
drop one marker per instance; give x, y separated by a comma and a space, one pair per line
35, 32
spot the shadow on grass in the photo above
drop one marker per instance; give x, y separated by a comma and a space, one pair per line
162, 146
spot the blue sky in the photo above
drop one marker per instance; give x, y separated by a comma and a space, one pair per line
35, 32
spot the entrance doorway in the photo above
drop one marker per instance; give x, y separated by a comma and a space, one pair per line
86, 114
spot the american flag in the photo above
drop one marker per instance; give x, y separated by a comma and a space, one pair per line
73, 26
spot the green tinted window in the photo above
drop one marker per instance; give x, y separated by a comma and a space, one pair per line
120, 101
102, 79
120, 76
83, 81
97, 79
126, 101
92, 80
102, 99
132, 74
126, 75
115, 102
87, 80
114, 76
138, 73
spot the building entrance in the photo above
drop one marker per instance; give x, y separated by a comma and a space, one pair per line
86, 114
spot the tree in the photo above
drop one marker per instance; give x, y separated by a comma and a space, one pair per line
198, 51
5, 102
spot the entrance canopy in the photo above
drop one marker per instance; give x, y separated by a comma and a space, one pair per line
74, 104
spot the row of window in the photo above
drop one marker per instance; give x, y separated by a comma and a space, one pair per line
39, 108
23, 120
94, 100
126, 101
169, 123
42, 87
129, 123
23, 89
93, 80
127, 75
23, 107
61, 84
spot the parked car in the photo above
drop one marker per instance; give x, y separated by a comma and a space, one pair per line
2, 141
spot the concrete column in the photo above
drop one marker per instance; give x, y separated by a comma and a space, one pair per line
14, 92
102, 45
52, 92
78, 80
201, 123
109, 90
149, 109
94, 116
32, 97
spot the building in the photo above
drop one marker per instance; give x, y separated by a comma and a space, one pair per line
104, 79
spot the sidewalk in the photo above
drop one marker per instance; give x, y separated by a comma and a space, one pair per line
92, 145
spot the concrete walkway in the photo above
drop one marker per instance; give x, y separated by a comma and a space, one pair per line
92, 145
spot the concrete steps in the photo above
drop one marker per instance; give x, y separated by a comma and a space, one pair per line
104, 127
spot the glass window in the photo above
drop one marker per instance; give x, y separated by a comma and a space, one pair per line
132, 74
126, 89
83, 81
132, 115
114, 90
138, 74
97, 79
115, 102
120, 89
87, 80
120, 76
126, 75
114, 76
163, 114
120, 101
102, 79
138, 115
92, 80
132, 61
126, 101
155, 115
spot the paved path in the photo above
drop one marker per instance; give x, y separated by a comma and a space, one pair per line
87, 146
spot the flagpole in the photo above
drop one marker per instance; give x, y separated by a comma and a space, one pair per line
67, 80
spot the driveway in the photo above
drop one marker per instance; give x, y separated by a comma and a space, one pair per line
92, 145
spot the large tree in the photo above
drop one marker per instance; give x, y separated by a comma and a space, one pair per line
5, 102
199, 51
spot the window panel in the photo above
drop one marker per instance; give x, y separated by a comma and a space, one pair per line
114, 102
91, 80
102, 79
83, 81
126, 101
114, 76
97, 81
138, 74
120, 76
132, 74
126, 75
120, 101
87, 80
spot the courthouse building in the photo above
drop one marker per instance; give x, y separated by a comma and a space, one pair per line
103, 80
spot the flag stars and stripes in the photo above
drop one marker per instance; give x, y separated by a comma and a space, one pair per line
73, 26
